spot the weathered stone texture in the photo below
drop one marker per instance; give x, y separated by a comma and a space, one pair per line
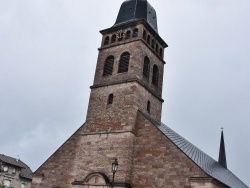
121, 115
158, 162
147, 158
83, 154
206, 183
138, 49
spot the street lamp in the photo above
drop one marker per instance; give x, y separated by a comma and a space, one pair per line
114, 169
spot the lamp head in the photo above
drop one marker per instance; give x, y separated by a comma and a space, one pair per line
114, 166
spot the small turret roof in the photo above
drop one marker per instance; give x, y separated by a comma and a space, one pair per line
132, 10
222, 156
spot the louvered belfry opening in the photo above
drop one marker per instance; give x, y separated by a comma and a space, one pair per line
155, 75
124, 62
135, 32
113, 38
153, 44
128, 34
144, 35
106, 41
108, 66
146, 67
161, 52
110, 98
148, 39
157, 48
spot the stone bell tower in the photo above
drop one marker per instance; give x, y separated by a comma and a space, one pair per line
129, 70
128, 79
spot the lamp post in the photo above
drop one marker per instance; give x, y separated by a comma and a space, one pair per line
114, 169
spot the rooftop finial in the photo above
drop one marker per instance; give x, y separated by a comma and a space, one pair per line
222, 154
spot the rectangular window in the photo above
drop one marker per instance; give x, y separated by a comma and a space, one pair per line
23, 185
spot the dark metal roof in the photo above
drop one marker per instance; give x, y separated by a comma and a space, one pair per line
201, 159
132, 10
222, 156
25, 170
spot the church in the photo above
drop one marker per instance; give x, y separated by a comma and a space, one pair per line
123, 143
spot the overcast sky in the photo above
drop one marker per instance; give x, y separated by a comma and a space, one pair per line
48, 53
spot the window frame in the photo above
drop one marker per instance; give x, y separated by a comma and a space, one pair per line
124, 62
107, 66
155, 76
110, 99
146, 67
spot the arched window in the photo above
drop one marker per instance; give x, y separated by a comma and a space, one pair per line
146, 67
157, 48
148, 39
153, 44
113, 38
161, 52
106, 41
128, 34
135, 32
148, 106
144, 35
124, 62
108, 66
155, 75
110, 98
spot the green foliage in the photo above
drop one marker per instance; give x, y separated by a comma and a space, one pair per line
2, 185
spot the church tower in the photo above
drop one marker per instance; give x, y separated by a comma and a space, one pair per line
124, 121
129, 70
128, 79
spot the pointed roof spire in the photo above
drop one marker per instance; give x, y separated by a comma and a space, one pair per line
222, 155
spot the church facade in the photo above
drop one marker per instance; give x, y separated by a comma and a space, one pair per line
124, 121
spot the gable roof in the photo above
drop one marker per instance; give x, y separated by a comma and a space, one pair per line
201, 159
25, 170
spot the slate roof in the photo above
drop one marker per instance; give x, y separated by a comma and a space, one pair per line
25, 170
222, 155
201, 159
132, 10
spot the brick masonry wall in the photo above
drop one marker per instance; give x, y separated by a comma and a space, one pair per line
138, 49
121, 115
83, 154
147, 159
158, 162
206, 183
58, 169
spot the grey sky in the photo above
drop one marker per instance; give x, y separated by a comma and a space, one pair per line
48, 53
